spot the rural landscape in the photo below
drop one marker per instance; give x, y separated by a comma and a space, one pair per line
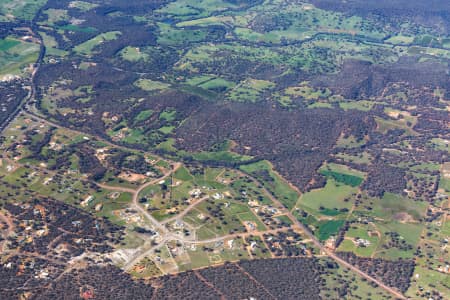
224, 149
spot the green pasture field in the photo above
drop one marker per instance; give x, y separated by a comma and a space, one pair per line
166, 129
82, 5
252, 191
343, 174
363, 158
429, 279
440, 144
387, 207
349, 142
279, 187
409, 232
250, 90
151, 85
151, 270
88, 47
358, 105
209, 21
386, 125
329, 228
307, 92
15, 55
133, 54
173, 36
359, 288
56, 15
217, 84
183, 174
285, 219
168, 115
360, 231
225, 156
195, 8
331, 196
400, 39
143, 115
230, 223
260, 251
8, 43
444, 183
51, 45
253, 36
250, 217
20, 9
76, 28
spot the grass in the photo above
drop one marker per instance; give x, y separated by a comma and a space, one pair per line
440, 144
195, 8
329, 228
143, 115
133, 54
430, 280
56, 15
21, 9
88, 47
360, 231
349, 142
250, 90
343, 174
230, 222
358, 105
8, 43
250, 217
409, 232
284, 219
400, 39
82, 5
16, 55
75, 28
51, 45
217, 84
168, 115
277, 186
220, 20
151, 85
253, 36
172, 36
384, 126
331, 196
166, 129
150, 270
358, 287
224, 156
444, 183
307, 92
362, 158
391, 204
183, 174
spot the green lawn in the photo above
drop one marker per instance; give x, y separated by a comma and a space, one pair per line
277, 186
331, 196
88, 47
329, 228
